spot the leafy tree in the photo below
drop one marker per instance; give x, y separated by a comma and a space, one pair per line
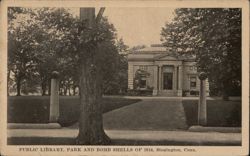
98, 32
82, 53
122, 75
30, 86
43, 42
122, 47
55, 46
86, 46
137, 47
115, 71
55, 53
214, 37
20, 50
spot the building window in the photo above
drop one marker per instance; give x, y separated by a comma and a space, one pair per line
192, 82
140, 79
145, 68
192, 68
143, 82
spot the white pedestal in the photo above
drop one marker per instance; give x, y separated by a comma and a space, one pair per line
155, 92
179, 92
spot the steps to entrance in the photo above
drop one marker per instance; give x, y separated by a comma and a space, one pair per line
168, 93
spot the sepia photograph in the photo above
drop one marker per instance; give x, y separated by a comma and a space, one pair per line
108, 79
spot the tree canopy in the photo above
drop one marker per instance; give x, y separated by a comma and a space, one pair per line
213, 35
41, 40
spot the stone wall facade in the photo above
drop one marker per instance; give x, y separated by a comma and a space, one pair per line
167, 75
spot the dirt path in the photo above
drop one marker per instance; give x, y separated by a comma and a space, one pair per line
148, 114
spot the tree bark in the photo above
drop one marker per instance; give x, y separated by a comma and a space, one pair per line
43, 86
64, 90
49, 84
69, 88
60, 91
74, 90
225, 95
18, 86
91, 130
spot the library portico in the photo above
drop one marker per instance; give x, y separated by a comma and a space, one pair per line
163, 72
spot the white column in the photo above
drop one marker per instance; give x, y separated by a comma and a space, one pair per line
207, 87
54, 98
180, 79
155, 91
130, 76
202, 107
175, 78
160, 78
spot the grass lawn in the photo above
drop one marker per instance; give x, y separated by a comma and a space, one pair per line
154, 114
35, 109
165, 114
219, 113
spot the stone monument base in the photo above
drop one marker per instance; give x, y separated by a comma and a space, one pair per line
155, 92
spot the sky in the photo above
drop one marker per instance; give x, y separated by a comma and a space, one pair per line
139, 26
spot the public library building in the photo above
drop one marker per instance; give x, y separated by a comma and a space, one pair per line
167, 74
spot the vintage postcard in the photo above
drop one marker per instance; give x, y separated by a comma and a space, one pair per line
124, 77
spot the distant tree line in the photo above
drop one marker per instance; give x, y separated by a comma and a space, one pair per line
213, 35
43, 40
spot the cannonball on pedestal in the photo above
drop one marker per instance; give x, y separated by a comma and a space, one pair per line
54, 74
202, 76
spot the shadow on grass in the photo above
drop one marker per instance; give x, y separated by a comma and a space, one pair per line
219, 113
115, 142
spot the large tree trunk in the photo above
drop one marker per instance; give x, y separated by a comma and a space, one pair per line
225, 95
60, 88
69, 88
18, 86
74, 90
43, 86
60, 91
91, 130
64, 89
49, 84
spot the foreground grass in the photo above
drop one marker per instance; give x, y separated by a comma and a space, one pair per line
115, 142
35, 109
158, 114
165, 114
219, 113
